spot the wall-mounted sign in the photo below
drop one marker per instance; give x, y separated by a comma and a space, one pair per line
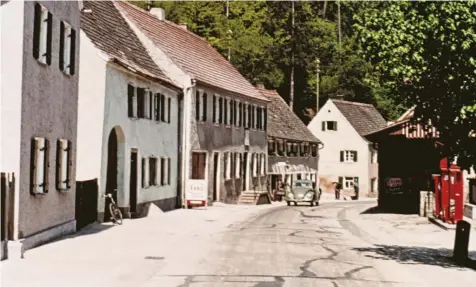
393, 184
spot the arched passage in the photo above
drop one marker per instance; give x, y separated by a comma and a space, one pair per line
115, 146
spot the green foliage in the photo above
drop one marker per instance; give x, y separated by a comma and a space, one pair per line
424, 53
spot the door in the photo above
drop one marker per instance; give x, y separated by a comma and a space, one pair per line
245, 171
216, 177
133, 182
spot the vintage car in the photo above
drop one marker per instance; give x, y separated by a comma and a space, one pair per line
302, 191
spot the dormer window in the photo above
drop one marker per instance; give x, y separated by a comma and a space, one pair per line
329, 126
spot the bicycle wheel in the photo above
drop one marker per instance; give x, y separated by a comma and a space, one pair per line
115, 213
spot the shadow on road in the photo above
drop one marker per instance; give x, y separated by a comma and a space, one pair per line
415, 255
378, 210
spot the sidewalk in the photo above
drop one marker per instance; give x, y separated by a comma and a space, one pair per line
126, 255
414, 242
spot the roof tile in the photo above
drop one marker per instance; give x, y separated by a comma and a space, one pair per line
363, 117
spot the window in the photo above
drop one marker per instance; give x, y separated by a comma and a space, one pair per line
250, 117
141, 103
165, 171
42, 33
253, 117
199, 161
147, 104
348, 182
225, 111
373, 158
238, 114
64, 163
130, 101
232, 112
263, 163
156, 109
246, 116
152, 171
254, 161
39, 165
197, 106
314, 150
145, 172
271, 147
348, 156
220, 110
329, 126
215, 110
67, 48
259, 122
265, 119
204, 107
169, 106
237, 165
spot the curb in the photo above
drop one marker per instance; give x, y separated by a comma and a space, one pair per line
441, 224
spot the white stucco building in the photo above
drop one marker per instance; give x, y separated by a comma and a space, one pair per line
347, 157
129, 117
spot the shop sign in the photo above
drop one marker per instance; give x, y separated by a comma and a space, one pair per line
393, 184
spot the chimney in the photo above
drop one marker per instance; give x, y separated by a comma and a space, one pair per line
260, 86
184, 26
159, 13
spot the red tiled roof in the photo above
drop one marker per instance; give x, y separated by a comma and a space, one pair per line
192, 53
283, 122
110, 33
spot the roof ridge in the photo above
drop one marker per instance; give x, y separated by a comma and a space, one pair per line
352, 103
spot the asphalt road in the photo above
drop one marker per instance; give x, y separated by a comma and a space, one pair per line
292, 246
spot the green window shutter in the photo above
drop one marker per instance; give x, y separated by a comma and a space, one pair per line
355, 156
323, 126
49, 37
341, 181
72, 55
341, 156
335, 125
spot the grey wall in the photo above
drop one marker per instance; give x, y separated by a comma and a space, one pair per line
49, 109
210, 138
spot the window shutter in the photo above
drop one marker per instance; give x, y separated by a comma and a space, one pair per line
159, 107
162, 107
355, 156
225, 164
249, 117
61, 50
162, 171
205, 104
341, 181
69, 180
225, 111
265, 119
72, 55
33, 164
168, 170
335, 126
156, 107
197, 105
168, 109
130, 101
323, 126
47, 166
36, 31
151, 104
59, 160
341, 156
49, 38
220, 110
143, 173
214, 112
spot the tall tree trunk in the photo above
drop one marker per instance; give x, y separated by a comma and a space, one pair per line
291, 81
324, 10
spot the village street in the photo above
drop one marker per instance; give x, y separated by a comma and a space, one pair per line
243, 245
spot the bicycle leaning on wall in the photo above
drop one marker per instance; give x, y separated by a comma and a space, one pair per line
116, 214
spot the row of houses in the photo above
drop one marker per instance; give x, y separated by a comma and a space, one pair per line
104, 97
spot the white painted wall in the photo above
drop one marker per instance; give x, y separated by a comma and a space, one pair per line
92, 87
151, 138
345, 138
11, 63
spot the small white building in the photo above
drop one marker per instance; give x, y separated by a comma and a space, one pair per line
128, 127
347, 157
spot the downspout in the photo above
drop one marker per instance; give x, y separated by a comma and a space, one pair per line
187, 105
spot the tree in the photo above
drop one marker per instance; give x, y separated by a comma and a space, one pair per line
424, 52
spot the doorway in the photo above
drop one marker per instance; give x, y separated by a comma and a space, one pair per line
133, 182
114, 173
245, 171
216, 176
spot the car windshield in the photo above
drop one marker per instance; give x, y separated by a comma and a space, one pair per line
306, 184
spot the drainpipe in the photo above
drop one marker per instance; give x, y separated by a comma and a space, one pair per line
187, 112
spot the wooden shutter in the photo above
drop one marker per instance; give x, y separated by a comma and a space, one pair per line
162, 107
341, 156
232, 165
143, 173
220, 110
47, 166
266, 119
49, 38
156, 107
335, 126
355, 156
69, 174
162, 171
33, 164
225, 164
72, 50
225, 111
168, 171
323, 126
205, 104
59, 160
169, 105
151, 104
61, 50
341, 181
214, 112
197, 105
36, 31
130, 101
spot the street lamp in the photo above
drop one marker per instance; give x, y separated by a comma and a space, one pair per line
317, 83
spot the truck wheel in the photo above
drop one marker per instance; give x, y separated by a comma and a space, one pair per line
289, 203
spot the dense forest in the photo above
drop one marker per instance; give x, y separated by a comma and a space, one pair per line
278, 43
